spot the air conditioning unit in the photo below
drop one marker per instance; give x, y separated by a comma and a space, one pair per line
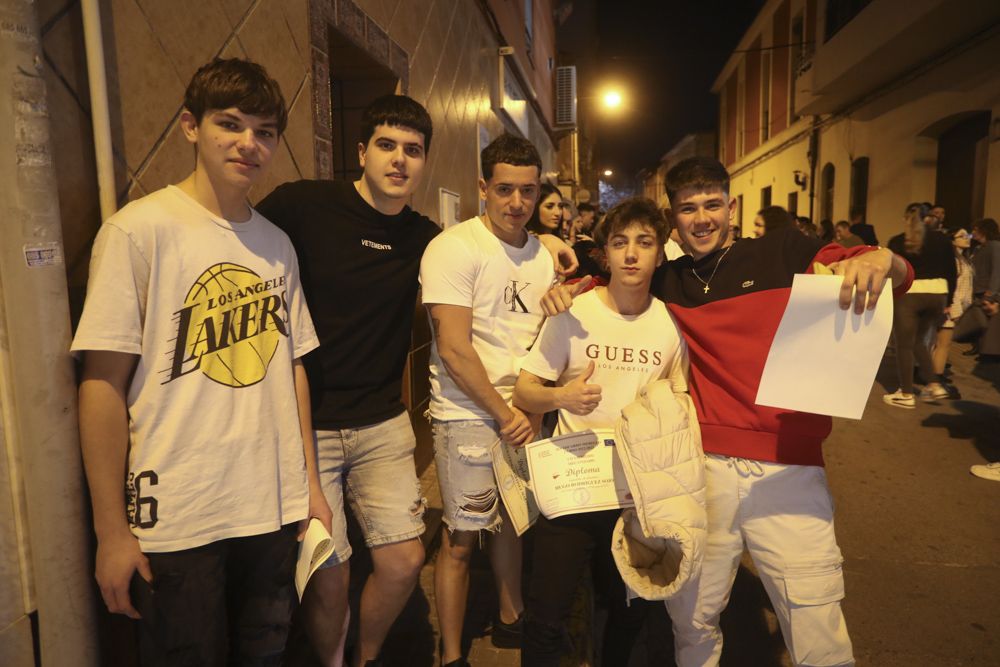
566, 96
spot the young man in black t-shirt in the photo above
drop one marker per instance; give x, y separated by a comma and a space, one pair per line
359, 248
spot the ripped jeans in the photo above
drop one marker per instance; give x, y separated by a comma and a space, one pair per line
465, 473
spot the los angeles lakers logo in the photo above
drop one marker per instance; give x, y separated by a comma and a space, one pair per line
230, 326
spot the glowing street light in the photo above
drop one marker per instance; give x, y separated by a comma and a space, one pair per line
608, 172
612, 99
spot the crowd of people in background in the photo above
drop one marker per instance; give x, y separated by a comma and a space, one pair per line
954, 297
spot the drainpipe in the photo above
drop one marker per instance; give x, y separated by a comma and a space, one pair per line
813, 160
37, 383
100, 117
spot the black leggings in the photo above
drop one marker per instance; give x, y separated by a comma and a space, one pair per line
563, 549
913, 317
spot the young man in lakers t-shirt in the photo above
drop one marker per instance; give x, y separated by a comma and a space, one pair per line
194, 397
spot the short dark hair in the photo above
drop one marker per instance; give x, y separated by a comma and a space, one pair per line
842, 223
234, 82
920, 208
586, 206
396, 111
775, 217
704, 173
988, 227
508, 149
628, 211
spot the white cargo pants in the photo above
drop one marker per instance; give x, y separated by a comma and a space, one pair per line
784, 516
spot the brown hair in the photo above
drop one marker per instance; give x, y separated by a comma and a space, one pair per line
704, 173
233, 82
633, 210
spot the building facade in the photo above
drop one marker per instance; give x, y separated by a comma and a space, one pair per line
833, 106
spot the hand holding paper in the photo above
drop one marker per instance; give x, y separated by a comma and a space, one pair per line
864, 276
316, 546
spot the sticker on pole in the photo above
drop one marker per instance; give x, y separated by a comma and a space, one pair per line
37, 255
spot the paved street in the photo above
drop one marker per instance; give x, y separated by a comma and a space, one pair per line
920, 537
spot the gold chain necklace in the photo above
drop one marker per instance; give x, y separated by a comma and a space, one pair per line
717, 262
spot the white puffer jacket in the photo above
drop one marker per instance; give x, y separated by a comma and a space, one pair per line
658, 546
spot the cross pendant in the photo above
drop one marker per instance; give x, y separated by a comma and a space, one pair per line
706, 289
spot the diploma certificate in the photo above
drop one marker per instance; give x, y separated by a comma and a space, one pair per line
577, 472
510, 465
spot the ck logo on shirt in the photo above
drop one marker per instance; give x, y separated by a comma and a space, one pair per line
230, 326
512, 296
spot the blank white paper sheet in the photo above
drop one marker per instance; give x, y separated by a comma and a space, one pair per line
823, 359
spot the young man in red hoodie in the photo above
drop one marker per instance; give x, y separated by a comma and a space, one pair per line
766, 488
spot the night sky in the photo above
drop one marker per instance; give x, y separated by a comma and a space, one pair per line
666, 54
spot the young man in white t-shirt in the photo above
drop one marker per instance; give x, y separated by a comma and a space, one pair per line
482, 281
587, 364
191, 337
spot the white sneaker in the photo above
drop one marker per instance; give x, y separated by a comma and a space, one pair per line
990, 471
935, 393
900, 400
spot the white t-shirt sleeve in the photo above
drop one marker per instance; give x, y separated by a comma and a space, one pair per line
115, 308
447, 272
303, 333
549, 356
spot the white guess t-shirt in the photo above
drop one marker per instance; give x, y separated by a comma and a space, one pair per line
628, 351
467, 265
215, 311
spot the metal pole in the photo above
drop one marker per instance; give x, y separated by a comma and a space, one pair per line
37, 383
100, 117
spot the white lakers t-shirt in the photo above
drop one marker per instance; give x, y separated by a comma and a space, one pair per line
215, 312
467, 265
628, 351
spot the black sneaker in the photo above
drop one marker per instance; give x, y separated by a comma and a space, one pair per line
508, 635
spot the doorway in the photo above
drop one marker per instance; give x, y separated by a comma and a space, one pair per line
961, 169
355, 80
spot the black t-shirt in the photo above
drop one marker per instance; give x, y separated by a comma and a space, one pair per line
359, 272
935, 259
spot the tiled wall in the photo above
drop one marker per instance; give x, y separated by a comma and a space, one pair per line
444, 52
152, 48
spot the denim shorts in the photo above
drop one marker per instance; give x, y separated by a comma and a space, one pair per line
374, 465
465, 473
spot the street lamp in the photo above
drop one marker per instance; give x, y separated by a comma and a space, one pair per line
612, 99
608, 172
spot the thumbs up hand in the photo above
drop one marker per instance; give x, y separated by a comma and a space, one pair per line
579, 396
560, 297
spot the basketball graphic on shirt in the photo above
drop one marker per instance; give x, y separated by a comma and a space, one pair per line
230, 326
